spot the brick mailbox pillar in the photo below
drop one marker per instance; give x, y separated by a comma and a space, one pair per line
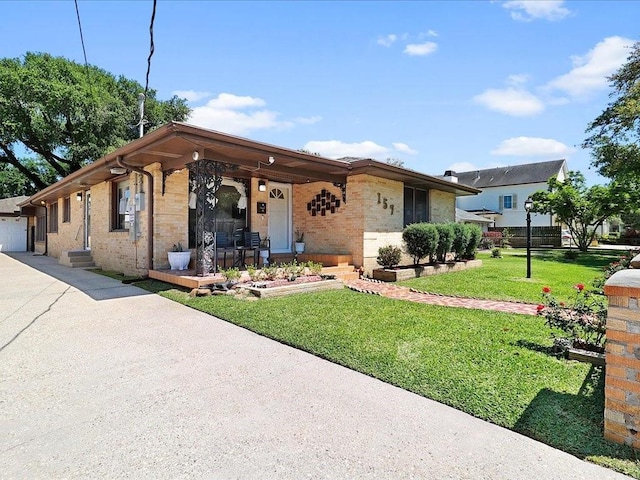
622, 370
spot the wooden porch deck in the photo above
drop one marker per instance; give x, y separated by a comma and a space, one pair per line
332, 264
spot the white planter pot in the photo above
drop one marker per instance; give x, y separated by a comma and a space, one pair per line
264, 254
299, 246
179, 260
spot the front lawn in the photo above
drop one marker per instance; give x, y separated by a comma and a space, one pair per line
505, 278
492, 365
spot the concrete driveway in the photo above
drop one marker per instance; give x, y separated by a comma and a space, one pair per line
102, 380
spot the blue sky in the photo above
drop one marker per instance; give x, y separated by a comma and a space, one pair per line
439, 85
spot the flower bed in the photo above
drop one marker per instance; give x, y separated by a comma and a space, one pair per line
406, 273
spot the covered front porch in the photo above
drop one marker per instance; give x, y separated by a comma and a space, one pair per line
340, 265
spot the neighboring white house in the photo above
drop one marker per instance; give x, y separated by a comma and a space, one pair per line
505, 189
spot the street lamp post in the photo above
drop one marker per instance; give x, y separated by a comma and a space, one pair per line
528, 205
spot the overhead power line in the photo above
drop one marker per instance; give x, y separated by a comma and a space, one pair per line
151, 48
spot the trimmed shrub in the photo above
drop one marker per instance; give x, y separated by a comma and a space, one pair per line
460, 240
475, 236
421, 240
445, 240
389, 256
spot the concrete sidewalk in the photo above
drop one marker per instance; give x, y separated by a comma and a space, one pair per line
102, 380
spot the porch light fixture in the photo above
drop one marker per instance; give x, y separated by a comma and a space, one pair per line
262, 186
271, 160
118, 171
79, 196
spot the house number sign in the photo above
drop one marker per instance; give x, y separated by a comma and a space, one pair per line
385, 203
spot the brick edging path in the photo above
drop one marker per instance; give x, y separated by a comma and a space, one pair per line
390, 290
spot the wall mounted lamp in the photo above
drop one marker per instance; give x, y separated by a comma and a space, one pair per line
79, 196
262, 186
118, 171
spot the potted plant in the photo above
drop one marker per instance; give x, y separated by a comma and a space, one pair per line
299, 242
178, 257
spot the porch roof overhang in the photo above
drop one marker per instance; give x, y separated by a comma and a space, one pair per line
173, 146
410, 178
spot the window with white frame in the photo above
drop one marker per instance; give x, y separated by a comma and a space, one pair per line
119, 205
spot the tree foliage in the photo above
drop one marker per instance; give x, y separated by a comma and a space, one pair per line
69, 114
615, 133
583, 209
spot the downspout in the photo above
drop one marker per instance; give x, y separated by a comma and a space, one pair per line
149, 175
46, 234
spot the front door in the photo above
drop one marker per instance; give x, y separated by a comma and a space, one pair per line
87, 220
279, 211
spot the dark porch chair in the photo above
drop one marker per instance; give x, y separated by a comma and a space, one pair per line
224, 245
253, 242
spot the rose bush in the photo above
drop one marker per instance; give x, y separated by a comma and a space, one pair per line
581, 324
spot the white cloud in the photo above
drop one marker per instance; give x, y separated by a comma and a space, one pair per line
420, 48
428, 33
222, 113
307, 120
191, 95
590, 71
387, 40
512, 101
462, 167
529, 10
516, 80
338, 149
532, 147
231, 101
404, 148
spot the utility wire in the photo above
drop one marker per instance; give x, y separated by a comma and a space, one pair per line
152, 47
84, 51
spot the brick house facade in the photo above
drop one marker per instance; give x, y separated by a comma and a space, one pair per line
343, 207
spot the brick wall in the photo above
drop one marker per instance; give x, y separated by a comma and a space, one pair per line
442, 206
70, 235
622, 373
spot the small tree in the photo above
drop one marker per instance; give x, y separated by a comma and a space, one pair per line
582, 209
475, 236
460, 240
445, 240
421, 240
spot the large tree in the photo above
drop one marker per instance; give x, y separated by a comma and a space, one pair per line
615, 133
583, 209
69, 114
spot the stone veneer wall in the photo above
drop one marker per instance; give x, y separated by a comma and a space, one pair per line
442, 206
622, 371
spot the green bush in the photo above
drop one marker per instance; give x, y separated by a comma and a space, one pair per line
475, 236
496, 253
460, 240
421, 240
445, 240
389, 256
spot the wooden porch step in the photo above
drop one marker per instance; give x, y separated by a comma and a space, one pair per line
343, 272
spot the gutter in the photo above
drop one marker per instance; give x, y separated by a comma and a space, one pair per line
150, 252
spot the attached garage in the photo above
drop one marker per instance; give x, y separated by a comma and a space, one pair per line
13, 227
13, 234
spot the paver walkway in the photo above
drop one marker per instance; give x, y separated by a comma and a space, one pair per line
391, 290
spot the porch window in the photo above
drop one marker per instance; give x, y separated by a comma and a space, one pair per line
53, 218
120, 202
40, 227
415, 205
66, 210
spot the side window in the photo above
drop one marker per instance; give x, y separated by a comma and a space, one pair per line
53, 218
66, 210
120, 200
507, 202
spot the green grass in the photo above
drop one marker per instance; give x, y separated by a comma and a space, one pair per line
505, 278
116, 275
495, 366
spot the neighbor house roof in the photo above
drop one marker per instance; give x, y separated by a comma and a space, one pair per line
464, 216
173, 145
9, 206
514, 175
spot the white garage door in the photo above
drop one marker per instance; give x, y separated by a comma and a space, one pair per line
13, 234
